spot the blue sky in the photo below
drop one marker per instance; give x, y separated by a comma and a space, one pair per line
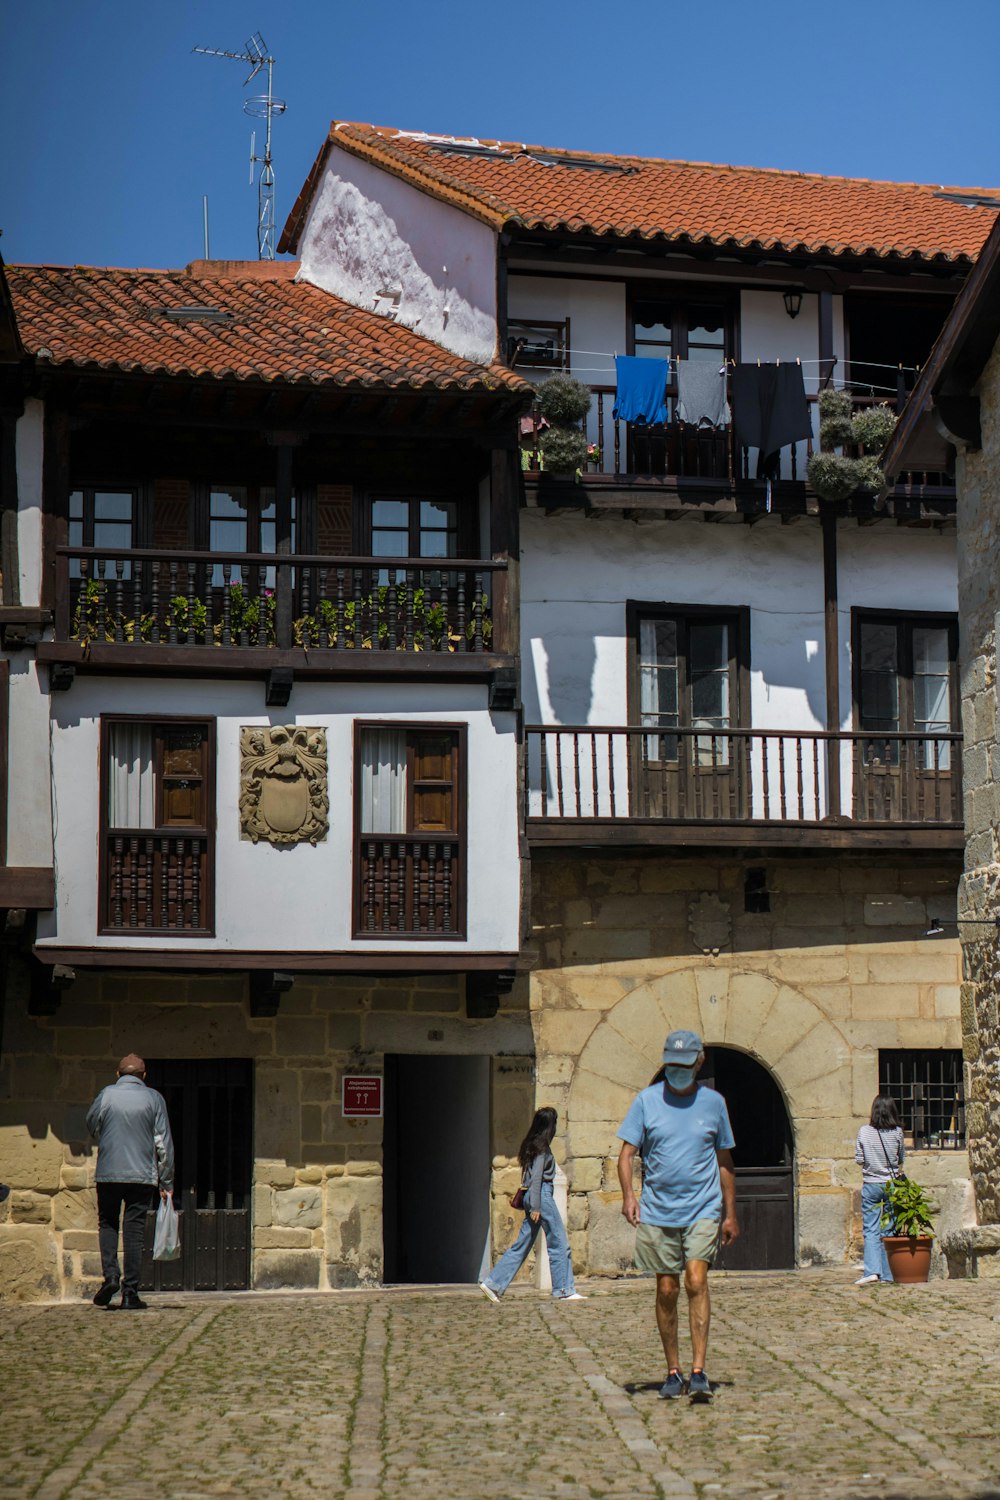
114, 130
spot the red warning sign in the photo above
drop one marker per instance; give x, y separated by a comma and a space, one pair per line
361, 1095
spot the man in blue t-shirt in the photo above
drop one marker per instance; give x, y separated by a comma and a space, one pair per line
681, 1130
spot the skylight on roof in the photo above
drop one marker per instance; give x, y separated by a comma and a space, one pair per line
970, 200
582, 164
195, 314
470, 148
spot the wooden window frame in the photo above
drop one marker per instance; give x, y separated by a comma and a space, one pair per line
467, 534
209, 725
737, 616
682, 295
460, 762
141, 493
912, 619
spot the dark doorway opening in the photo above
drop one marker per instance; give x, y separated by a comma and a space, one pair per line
436, 1165
889, 339
765, 1179
210, 1108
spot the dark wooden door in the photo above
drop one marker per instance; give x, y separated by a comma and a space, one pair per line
765, 1180
210, 1107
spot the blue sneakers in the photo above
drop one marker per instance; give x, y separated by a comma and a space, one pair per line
699, 1386
674, 1386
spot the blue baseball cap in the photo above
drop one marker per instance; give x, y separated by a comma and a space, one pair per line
683, 1047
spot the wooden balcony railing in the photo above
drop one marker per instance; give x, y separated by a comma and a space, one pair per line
409, 886
681, 451
743, 776
137, 598
157, 880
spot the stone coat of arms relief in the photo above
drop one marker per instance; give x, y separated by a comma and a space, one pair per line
283, 784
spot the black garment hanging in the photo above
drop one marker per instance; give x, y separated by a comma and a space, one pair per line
769, 412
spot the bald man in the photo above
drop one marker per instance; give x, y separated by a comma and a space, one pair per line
135, 1154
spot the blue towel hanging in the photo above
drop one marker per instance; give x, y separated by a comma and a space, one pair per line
641, 394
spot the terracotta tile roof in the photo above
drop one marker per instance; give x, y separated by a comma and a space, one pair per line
246, 325
577, 192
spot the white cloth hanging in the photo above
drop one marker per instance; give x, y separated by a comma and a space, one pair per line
383, 781
131, 777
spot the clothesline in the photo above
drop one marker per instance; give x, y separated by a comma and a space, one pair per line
869, 364
863, 385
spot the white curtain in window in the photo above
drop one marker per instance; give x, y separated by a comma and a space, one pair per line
383, 781
131, 776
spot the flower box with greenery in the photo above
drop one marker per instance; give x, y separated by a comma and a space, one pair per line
907, 1216
389, 618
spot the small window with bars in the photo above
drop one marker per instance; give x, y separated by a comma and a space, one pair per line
928, 1088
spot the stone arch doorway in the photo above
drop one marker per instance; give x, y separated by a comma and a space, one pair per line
764, 1156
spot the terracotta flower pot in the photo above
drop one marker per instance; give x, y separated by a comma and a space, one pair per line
909, 1256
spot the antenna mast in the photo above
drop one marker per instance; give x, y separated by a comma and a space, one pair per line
259, 107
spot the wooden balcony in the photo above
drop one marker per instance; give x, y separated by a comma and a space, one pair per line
746, 787
195, 610
157, 881
705, 463
409, 886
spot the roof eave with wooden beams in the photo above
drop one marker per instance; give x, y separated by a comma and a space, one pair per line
942, 411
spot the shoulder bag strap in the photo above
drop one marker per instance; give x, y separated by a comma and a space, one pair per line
893, 1170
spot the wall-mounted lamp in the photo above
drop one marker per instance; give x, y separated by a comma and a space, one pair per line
937, 927
793, 303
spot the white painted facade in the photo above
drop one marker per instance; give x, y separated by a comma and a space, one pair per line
296, 899
368, 233
30, 452
577, 575
29, 805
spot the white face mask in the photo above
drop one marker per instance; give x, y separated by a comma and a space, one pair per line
678, 1077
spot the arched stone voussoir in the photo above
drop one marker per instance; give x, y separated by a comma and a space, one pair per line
594, 1098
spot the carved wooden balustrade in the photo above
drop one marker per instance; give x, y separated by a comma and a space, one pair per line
588, 774
157, 880
134, 598
408, 884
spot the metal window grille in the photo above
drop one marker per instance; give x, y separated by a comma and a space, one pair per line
928, 1088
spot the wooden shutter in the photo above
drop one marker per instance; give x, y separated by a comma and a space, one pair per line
433, 758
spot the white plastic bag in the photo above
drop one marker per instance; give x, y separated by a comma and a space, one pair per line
166, 1239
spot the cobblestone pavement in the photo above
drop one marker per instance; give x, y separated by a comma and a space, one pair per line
824, 1390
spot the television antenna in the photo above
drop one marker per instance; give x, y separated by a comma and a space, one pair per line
259, 107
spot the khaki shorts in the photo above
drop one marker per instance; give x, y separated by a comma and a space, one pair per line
665, 1251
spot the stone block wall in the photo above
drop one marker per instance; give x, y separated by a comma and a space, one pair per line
316, 1211
633, 947
978, 480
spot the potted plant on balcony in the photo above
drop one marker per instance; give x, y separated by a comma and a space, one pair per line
564, 403
907, 1218
836, 475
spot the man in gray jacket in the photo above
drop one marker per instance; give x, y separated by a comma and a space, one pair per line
135, 1154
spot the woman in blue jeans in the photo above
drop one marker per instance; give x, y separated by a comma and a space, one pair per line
880, 1151
538, 1171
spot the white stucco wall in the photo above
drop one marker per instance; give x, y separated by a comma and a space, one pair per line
29, 806
597, 323
577, 575
299, 898
29, 451
367, 230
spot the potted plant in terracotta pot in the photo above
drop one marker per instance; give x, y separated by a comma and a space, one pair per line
907, 1218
